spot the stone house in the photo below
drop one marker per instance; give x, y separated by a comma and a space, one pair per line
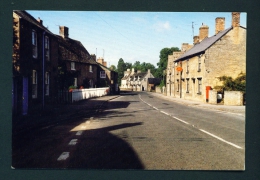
35, 59
196, 71
135, 81
76, 66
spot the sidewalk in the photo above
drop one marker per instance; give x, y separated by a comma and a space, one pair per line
54, 114
240, 110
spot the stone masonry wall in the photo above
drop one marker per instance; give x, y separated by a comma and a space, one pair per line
233, 98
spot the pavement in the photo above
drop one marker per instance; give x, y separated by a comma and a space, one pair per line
55, 114
240, 110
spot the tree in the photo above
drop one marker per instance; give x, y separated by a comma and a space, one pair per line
162, 64
128, 66
230, 84
113, 68
120, 70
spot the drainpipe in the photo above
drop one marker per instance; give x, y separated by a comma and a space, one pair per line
43, 69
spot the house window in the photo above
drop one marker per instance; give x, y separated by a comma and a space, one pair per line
187, 66
178, 85
34, 84
102, 74
199, 63
47, 48
187, 85
72, 64
199, 86
90, 83
34, 44
47, 83
90, 68
75, 82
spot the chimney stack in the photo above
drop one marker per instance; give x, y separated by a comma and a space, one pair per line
196, 39
235, 19
39, 20
220, 24
204, 32
64, 31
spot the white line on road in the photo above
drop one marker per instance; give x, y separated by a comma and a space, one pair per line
155, 108
164, 113
79, 133
221, 139
64, 156
180, 120
73, 142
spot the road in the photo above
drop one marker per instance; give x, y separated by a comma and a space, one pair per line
137, 131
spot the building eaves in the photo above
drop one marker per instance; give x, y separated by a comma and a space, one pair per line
25, 15
203, 45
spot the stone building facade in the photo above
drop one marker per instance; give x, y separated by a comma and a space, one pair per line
135, 81
211, 57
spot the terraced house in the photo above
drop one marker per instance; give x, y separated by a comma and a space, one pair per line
198, 69
35, 62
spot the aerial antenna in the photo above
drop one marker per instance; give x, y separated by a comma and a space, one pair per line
192, 30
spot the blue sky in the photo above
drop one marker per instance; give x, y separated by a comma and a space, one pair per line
133, 36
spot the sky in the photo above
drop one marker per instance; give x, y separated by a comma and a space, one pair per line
132, 36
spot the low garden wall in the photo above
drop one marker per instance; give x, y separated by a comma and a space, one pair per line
80, 94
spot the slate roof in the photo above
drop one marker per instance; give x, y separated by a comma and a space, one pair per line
203, 45
25, 15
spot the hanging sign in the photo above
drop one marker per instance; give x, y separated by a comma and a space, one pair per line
179, 68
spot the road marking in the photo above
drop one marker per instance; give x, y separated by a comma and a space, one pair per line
155, 108
164, 113
79, 133
221, 139
73, 142
180, 120
63, 156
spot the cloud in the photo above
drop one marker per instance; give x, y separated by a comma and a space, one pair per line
162, 26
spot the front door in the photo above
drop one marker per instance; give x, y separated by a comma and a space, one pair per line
25, 95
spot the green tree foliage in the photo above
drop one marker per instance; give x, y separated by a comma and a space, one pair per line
128, 66
230, 84
162, 64
120, 70
113, 68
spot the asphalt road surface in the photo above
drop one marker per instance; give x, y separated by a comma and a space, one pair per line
137, 131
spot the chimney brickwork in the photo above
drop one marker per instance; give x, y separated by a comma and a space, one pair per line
220, 24
204, 32
235, 19
64, 31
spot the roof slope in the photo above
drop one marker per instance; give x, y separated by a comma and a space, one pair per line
73, 50
25, 15
203, 45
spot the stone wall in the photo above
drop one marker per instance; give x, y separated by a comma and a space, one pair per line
233, 98
212, 97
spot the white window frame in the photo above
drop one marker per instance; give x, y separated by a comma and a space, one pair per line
199, 85
47, 48
34, 84
187, 66
72, 65
34, 44
90, 68
102, 74
47, 83
187, 85
75, 83
199, 63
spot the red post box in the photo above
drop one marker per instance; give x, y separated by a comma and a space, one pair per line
207, 93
